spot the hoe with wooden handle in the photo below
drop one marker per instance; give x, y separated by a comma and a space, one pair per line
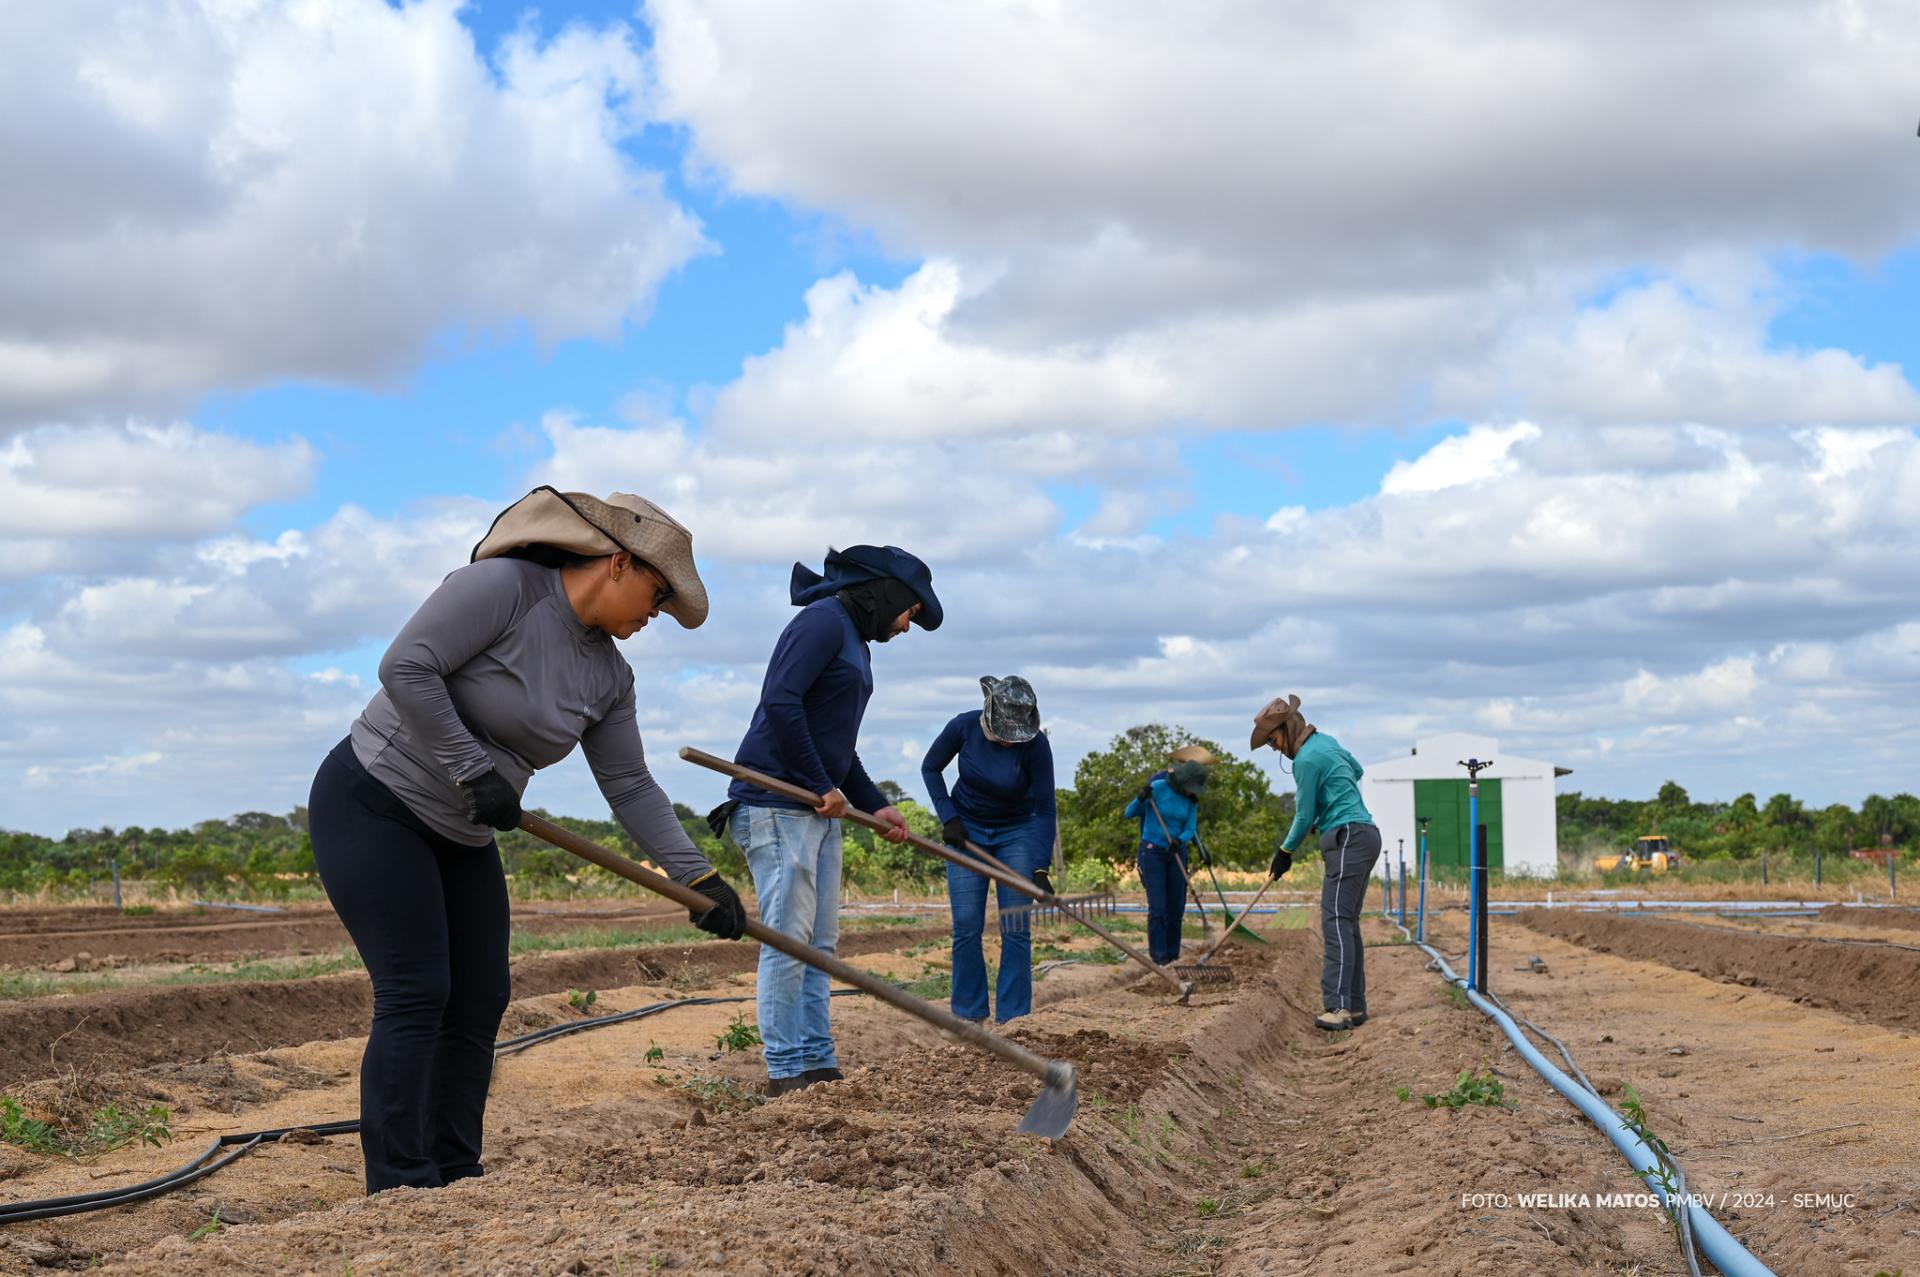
980, 862
1050, 1115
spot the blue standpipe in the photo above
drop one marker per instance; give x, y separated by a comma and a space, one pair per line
1476, 879
1420, 918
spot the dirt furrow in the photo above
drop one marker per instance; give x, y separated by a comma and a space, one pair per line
124, 1029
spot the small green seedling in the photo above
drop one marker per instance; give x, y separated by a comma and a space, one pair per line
1403, 1093
654, 1054
1663, 1173
582, 1001
1206, 1207
1471, 1087
109, 1128
738, 1035
207, 1229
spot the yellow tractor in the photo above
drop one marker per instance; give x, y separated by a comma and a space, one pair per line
1649, 854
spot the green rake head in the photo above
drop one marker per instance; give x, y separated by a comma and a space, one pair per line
1019, 919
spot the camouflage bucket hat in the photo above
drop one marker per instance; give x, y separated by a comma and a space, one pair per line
1012, 713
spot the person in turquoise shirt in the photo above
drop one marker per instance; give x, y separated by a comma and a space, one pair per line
1326, 782
1168, 809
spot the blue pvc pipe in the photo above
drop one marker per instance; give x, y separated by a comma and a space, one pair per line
1714, 1241
1473, 885
1420, 922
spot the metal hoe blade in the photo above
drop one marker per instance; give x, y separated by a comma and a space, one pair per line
1053, 1112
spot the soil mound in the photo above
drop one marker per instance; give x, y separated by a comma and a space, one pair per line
1876, 983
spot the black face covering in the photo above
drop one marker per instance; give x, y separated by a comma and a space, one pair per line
876, 604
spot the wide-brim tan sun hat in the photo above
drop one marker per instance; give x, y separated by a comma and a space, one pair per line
585, 524
1193, 754
1281, 711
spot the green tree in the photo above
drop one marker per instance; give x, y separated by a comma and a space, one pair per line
1240, 816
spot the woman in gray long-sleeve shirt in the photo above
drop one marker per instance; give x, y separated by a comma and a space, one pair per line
505, 668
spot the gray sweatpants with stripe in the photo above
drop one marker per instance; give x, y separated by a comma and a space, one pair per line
1350, 852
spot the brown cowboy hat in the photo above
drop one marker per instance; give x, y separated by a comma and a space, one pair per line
1281, 711
584, 524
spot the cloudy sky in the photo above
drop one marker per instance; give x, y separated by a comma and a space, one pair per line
1544, 371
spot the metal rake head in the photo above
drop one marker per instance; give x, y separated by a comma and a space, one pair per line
1205, 974
1018, 919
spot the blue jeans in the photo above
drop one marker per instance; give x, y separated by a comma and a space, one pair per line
1165, 882
1020, 847
795, 858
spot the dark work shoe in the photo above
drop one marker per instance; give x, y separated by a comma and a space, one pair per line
811, 1076
778, 1086
1335, 1021
1359, 1018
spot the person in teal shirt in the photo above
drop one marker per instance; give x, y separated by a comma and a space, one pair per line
1326, 782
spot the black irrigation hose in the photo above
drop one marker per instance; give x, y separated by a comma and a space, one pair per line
243, 1142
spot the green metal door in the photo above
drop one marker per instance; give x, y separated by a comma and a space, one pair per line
1445, 801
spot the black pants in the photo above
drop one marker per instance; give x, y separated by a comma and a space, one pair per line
429, 917
1349, 852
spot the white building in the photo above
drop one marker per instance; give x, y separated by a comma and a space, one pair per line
1516, 805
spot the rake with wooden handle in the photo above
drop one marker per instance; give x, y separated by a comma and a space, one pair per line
980, 862
1051, 1113
1200, 972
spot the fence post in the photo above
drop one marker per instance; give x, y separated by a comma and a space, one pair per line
1763, 868
1816, 866
116, 882
1403, 882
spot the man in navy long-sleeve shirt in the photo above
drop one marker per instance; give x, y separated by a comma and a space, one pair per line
804, 731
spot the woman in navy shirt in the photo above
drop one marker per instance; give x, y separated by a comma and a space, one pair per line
1003, 803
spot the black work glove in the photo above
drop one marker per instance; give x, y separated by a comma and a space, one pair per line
1178, 848
491, 801
1043, 880
1146, 793
1282, 861
955, 832
728, 917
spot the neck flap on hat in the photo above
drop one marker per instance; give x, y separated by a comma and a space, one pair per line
875, 605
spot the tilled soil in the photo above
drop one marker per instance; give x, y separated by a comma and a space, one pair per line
1889, 919
124, 1029
1226, 1137
1874, 982
1230, 1137
94, 937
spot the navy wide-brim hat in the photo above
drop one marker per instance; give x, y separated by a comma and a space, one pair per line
858, 563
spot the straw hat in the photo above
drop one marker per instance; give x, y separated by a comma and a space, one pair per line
584, 524
1193, 754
